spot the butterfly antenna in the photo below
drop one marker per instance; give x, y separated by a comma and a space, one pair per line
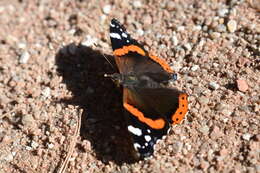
106, 58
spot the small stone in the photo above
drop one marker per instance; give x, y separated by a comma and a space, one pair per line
180, 28
242, 85
216, 133
137, 4
221, 28
204, 130
147, 19
170, 5
195, 68
215, 35
21, 45
9, 157
175, 40
28, 120
107, 9
204, 165
187, 46
24, 57
89, 41
203, 100
46, 92
34, 144
50, 145
222, 12
246, 136
223, 152
140, 32
232, 25
213, 85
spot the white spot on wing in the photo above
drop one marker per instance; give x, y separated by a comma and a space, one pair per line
147, 138
136, 146
148, 130
124, 35
115, 35
127, 41
134, 130
112, 25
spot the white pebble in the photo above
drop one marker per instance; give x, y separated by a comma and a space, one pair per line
46, 92
34, 144
140, 32
187, 46
9, 157
24, 57
195, 68
137, 4
246, 136
180, 28
232, 25
175, 40
50, 145
89, 41
213, 85
21, 45
107, 9
222, 12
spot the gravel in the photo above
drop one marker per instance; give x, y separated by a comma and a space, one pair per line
52, 66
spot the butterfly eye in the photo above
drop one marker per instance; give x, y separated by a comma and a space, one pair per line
174, 76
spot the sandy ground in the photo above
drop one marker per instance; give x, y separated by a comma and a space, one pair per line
52, 67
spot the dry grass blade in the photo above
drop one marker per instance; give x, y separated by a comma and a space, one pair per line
72, 145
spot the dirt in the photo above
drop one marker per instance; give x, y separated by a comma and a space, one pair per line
52, 69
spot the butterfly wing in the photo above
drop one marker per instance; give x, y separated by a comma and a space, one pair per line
168, 102
131, 57
144, 123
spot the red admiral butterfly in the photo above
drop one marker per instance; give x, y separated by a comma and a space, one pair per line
150, 105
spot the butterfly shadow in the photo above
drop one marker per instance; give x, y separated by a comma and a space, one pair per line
103, 123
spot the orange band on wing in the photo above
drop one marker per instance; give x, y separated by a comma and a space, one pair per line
155, 124
125, 49
163, 63
178, 116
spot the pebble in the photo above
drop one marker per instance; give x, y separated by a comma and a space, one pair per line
34, 144
27, 120
222, 12
216, 133
187, 46
203, 100
221, 28
137, 4
140, 32
175, 40
195, 68
204, 130
89, 41
9, 157
107, 9
215, 35
232, 25
170, 5
24, 57
213, 85
46, 92
246, 136
50, 145
242, 85
147, 19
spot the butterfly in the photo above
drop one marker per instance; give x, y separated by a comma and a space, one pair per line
150, 105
